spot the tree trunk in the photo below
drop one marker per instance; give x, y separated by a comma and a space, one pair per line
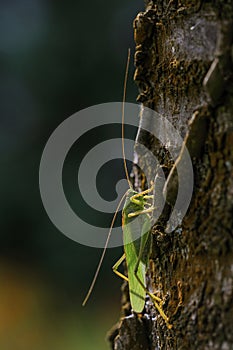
183, 66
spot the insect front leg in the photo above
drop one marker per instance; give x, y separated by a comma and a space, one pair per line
140, 194
139, 212
134, 200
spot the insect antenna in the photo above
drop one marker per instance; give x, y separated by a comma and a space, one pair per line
127, 176
123, 120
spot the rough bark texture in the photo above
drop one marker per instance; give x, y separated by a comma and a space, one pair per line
183, 65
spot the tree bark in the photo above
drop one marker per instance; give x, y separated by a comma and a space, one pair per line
183, 63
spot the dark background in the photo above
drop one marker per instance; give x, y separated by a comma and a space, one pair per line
57, 57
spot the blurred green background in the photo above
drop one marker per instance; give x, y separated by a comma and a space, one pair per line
57, 57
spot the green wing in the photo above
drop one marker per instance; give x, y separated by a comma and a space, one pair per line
135, 254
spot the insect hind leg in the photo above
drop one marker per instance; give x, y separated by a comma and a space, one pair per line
157, 302
115, 268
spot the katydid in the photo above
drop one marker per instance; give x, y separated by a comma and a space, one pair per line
136, 252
